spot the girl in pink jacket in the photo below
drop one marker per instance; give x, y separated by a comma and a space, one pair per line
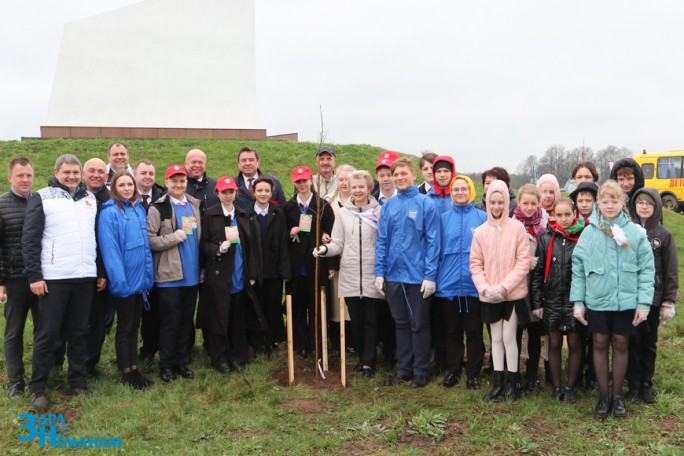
499, 263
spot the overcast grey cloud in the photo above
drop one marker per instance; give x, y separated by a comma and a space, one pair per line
486, 82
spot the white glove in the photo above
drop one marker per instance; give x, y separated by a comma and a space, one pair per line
667, 311
491, 296
428, 288
380, 284
320, 252
225, 245
180, 235
533, 262
640, 315
580, 314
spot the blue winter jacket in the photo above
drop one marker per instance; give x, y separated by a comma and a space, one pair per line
125, 249
441, 204
610, 277
458, 224
407, 249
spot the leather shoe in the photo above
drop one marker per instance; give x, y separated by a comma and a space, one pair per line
619, 407
85, 392
646, 394
397, 380
167, 375
39, 402
223, 367
16, 389
184, 372
602, 408
419, 381
450, 380
472, 384
367, 372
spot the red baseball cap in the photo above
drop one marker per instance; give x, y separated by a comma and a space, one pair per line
225, 183
175, 169
386, 159
301, 172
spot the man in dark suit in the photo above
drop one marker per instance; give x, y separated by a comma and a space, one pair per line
249, 164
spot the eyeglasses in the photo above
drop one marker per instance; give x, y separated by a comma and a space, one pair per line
644, 203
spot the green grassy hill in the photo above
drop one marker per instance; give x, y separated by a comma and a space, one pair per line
277, 157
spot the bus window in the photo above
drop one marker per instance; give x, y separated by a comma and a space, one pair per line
647, 169
670, 168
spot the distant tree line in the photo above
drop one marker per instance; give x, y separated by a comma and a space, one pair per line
559, 161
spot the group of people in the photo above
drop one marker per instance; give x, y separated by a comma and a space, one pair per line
421, 269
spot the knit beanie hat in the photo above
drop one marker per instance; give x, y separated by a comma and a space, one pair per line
443, 164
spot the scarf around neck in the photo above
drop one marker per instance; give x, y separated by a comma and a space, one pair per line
532, 224
571, 233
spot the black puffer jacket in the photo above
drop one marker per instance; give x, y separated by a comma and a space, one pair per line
554, 295
665, 254
12, 210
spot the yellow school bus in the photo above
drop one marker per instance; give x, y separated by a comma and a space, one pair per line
664, 171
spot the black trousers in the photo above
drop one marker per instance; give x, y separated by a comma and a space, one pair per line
230, 345
149, 327
20, 301
387, 334
102, 312
177, 311
643, 349
303, 313
461, 316
363, 313
411, 314
438, 332
128, 314
67, 303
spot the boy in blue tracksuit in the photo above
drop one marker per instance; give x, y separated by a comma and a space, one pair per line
456, 293
443, 171
407, 252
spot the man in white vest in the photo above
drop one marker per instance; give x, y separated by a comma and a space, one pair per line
60, 260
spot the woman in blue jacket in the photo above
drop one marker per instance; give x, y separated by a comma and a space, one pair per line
612, 288
125, 249
456, 293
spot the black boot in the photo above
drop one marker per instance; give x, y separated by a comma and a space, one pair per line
141, 379
513, 389
497, 380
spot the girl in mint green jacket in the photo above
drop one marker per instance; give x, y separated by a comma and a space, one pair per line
612, 288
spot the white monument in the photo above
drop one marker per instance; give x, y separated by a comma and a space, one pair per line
156, 65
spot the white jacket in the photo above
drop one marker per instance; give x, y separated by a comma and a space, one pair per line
69, 248
354, 240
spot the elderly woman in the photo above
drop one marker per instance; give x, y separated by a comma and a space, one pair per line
353, 237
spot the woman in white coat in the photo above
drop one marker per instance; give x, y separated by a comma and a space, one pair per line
353, 237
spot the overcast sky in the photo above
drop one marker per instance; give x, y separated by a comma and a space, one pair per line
488, 83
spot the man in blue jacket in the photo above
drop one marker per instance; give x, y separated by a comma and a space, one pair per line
407, 253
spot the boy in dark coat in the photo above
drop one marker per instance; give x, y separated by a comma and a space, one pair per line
643, 346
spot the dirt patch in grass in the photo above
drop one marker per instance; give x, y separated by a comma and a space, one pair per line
305, 373
70, 414
308, 406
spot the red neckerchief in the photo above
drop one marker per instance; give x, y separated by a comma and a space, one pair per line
573, 236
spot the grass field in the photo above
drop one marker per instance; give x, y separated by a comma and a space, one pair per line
258, 414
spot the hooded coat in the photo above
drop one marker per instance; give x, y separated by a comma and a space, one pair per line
354, 240
607, 276
441, 197
638, 181
500, 252
665, 255
125, 248
458, 224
